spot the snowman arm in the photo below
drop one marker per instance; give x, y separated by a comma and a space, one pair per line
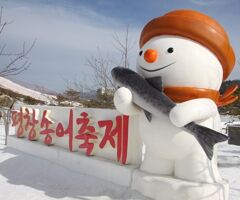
123, 102
192, 110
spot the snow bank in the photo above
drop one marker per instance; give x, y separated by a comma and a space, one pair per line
10, 85
25, 177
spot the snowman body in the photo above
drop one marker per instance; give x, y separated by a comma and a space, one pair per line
169, 148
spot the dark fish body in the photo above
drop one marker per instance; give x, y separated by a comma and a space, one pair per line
147, 94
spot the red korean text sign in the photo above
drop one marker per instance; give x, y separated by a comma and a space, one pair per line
115, 130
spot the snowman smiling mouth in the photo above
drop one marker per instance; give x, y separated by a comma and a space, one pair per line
154, 70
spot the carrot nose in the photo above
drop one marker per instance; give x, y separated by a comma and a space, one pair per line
150, 55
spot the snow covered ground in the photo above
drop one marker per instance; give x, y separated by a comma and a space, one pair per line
24, 177
10, 85
229, 165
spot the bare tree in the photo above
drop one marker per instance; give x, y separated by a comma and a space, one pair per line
124, 45
18, 61
101, 67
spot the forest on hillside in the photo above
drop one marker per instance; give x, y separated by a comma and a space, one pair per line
234, 108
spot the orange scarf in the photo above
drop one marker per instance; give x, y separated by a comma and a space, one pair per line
181, 94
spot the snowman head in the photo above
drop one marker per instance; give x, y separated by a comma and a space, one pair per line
180, 62
185, 48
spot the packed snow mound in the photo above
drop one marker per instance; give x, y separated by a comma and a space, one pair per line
10, 85
25, 177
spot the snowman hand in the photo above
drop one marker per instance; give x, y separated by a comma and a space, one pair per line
192, 110
123, 102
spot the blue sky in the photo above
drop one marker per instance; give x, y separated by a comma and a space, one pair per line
69, 31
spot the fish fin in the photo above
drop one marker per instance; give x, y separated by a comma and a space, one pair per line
148, 115
206, 137
155, 82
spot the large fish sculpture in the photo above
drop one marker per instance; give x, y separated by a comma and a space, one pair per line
147, 94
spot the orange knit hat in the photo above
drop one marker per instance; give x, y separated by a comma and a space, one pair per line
196, 26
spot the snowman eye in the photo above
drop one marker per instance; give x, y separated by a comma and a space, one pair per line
170, 50
140, 53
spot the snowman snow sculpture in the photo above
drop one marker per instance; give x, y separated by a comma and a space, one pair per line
192, 54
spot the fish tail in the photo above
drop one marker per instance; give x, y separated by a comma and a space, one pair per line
206, 137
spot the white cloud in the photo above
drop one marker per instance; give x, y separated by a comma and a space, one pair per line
56, 27
64, 39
